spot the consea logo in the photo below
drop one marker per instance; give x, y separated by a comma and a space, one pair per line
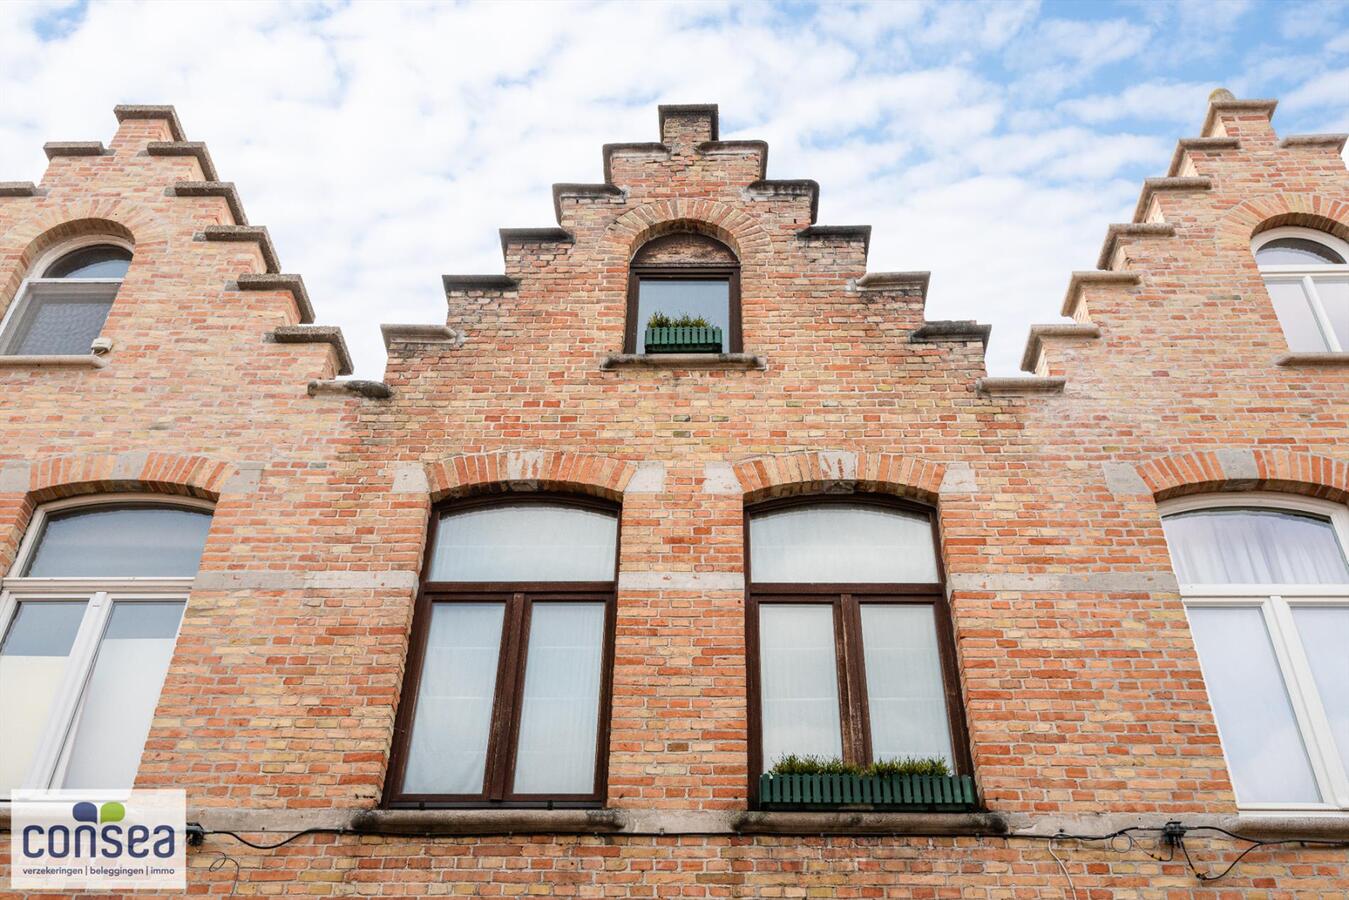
67, 840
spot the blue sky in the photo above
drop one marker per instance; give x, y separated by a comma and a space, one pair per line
384, 144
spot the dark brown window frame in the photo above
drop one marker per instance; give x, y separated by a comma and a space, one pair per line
503, 734
847, 600
638, 273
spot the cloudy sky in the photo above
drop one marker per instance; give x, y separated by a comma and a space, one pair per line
384, 143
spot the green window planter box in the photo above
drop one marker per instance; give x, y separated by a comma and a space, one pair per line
683, 340
928, 793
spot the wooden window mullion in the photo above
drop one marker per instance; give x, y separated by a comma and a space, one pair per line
500, 755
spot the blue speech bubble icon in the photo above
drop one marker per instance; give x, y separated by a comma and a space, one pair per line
85, 812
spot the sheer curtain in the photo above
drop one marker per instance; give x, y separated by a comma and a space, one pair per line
1260, 736
33, 661
121, 543
842, 543
119, 701
448, 749
799, 681
1254, 546
905, 697
1325, 637
560, 713
525, 542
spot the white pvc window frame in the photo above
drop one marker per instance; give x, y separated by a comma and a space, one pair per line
1276, 603
34, 282
99, 594
1307, 275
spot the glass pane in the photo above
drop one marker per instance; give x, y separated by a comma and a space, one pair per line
120, 699
905, 695
447, 753
560, 711
842, 543
102, 261
33, 662
710, 299
1265, 754
1325, 637
1254, 546
145, 541
54, 320
1334, 294
1295, 316
1296, 252
525, 542
799, 681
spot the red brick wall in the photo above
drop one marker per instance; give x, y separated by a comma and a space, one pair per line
1083, 694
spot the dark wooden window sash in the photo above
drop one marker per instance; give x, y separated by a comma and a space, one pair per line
847, 601
504, 729
730, 274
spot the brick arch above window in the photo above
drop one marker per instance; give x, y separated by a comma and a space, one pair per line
29, 241
33, 483
528, 470
1241, 469
733, 227
1256, 216
838, 471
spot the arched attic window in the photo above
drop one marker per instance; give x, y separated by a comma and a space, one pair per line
684, 296
1307, 274
61, 307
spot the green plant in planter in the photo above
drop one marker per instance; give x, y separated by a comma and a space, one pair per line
681, 334
792, 764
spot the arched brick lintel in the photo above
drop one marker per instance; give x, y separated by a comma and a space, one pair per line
733, 227
29, 240
838, 472
1286, 471
1257, 215
58, 477
529, 470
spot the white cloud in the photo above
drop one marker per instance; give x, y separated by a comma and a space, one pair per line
384, 144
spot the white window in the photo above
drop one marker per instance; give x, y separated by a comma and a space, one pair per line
1265, 579
1308, 280
61, 310
88, 623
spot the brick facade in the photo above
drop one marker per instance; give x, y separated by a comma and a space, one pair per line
1082, 691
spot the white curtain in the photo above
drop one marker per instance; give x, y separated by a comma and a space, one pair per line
1265, 753
1254, 546
525, 542
131, 542
448, 749
108, 736
33, 660
841, 543
1325, 637
560, 714
1295, 315
905, 695
1334, 293
799, 681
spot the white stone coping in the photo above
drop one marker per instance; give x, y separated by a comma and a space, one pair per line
1083, 279
66, 361
1063, 330
420, 334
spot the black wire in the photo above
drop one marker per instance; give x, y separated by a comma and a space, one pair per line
299, 834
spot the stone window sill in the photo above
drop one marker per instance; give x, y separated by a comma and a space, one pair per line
683, 361
72, 361
1291, 826
1313, 359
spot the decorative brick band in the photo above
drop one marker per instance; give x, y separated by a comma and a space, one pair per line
1246, 469
529, 470
838, 471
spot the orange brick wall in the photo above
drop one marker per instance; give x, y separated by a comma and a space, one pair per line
1083, 693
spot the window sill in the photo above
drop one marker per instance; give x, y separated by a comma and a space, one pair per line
1313, 359
71, 361
683, 361
1327, 826
857, 822
488, 821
